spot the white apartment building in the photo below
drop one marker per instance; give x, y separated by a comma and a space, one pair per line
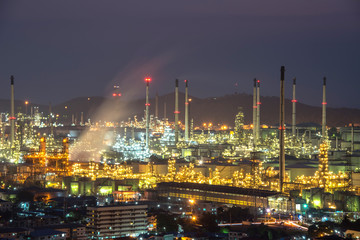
117, 221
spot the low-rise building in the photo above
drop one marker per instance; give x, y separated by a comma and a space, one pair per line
72, 230
47, 234
13, 232
5, 206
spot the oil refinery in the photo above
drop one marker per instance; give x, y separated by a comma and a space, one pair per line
284, 168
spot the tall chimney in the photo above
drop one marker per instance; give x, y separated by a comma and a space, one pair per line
82, 119
258, 103
12, 113
282, 132
254, 112
147, 116
164, 111
323, 130
186, 111
176, 112
293, 127
156, 106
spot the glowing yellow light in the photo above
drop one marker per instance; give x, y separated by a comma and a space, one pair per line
317, 202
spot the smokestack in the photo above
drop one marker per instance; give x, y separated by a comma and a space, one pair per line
282, 132
82, 119
323, 130
72, 119
176, 112
258, 103
254, 112
147, 116
12, 113
186, 111
164, 111
293, 127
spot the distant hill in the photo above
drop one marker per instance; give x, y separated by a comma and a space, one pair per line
218, 110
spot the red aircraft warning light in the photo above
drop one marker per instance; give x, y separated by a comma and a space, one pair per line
147, 79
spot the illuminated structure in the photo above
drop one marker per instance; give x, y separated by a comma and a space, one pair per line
244, 197
293, 125
323, 178
43, 162
254, 113
176, 112
323, 165
239, 124
258, 103
130, 149
186, 112
323, 126
147, 114
282, 132
12, 117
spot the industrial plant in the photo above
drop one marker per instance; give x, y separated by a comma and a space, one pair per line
98, 179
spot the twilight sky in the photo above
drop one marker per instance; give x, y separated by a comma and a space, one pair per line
58, 50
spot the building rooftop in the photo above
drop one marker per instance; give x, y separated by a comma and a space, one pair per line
45, 232
12, 229
137, 203
219, 188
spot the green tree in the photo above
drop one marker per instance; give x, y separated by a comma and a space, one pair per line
208, 221
165, 222
24, 196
